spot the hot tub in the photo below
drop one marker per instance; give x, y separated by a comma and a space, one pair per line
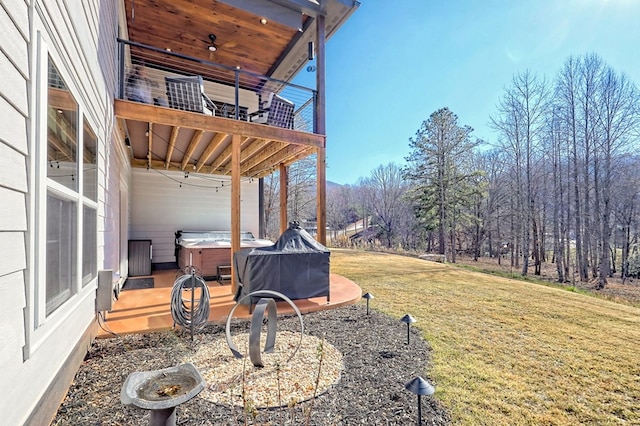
207, 250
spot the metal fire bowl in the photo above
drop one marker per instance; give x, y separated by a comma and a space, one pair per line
162, 389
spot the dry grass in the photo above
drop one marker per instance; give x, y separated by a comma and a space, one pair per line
507, 351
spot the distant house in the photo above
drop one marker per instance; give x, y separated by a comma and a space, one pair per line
86, 166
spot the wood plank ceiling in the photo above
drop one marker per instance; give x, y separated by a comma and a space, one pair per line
183, 27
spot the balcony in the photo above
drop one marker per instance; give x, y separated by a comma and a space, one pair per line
191, 109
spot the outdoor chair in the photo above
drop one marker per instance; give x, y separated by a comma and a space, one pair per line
276, 111
187, 94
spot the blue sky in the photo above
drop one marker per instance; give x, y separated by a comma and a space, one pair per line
395, 62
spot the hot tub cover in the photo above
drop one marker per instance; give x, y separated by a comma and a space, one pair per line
296, 266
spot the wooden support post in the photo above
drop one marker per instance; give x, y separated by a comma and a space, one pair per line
284, 189
321, 184
235, 204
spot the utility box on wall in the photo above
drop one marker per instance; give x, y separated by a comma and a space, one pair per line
140, 255
104, 293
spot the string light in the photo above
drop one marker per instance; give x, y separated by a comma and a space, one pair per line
198, 175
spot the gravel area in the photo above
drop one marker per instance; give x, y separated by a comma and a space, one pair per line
374, 366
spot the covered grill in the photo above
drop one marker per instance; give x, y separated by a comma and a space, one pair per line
296, 266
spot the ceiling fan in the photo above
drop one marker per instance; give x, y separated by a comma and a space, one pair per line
213, 47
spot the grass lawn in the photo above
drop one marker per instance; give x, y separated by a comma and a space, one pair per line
508, 352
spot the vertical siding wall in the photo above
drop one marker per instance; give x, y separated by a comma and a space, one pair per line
38, 366
160, 207
14, 111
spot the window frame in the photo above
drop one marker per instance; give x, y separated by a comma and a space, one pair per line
41, 325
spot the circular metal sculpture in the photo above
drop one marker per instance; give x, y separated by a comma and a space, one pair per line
263, 304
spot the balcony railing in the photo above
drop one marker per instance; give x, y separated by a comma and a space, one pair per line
149, 74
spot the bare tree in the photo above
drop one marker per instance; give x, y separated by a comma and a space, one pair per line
627, 207
302, 190
272, 205
520, 121
301, 195
386, 189
340, 208
617, 120
567, 104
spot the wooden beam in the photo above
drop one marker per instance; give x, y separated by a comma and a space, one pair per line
172, 145
304, 153
279, 158
266, 153
284, 189
225, 156
195, 140
289, 161
236, 142
213, 145
248, 152
65, 133
172, 117
54, 141
61, 99
143, 163
124, 132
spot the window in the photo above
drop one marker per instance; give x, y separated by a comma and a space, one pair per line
62, 135
90, 166
89, 214
61, 251
89, 245
71, 197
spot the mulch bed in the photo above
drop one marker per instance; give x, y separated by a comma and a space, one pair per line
370, 391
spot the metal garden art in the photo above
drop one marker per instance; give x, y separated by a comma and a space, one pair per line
264, 304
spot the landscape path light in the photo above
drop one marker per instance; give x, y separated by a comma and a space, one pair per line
408, 319
420, 387
367, 297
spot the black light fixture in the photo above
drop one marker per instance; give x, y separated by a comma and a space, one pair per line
212, 47
367, 297
420, 387
408, 319
311, 51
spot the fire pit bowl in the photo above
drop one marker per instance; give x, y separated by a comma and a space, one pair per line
162, 390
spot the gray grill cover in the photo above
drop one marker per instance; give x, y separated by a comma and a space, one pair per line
296, 266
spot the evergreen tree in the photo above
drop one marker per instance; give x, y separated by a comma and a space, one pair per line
438, 168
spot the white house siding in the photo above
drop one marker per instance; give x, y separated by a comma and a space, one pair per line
14, 68
160, 207
35, 363
116, 198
